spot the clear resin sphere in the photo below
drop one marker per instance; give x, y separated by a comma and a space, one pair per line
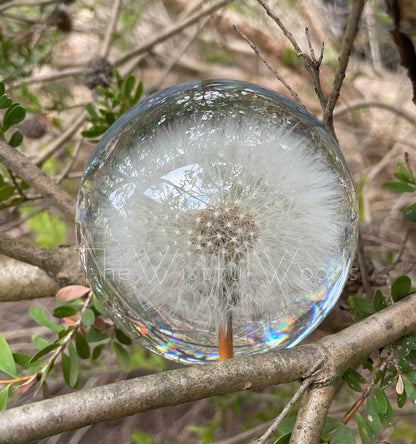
217, 214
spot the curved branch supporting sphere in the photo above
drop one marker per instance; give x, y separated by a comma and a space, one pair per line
330, 357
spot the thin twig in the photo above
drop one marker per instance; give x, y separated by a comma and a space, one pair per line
285, 31
68, 166
276, 423
105, 47
37, 178
176, 29
70, 72
347, 43
22, 18
363, 268
58, 351
349, 107
275, 73
15, 4
62, 139
177, 56
312, 65
246, 435
366, 392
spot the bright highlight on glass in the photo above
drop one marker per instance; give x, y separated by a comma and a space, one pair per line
217, 219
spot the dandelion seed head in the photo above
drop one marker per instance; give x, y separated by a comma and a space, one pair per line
241, 203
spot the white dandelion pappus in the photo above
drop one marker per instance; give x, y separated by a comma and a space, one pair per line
231, 215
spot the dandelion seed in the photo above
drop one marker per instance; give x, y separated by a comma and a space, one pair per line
235, 216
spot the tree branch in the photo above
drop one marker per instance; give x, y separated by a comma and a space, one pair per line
312, 414
63, 138
171, 32
372, 104
62, 264
332, 355
292, 92
347, 43
105, 47
23, 167
23, 281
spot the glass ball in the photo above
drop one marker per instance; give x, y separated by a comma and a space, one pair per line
217, 219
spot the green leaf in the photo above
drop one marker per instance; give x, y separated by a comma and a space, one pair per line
24, 185
366, 435
411, 376
354, 379
70, 366
410, 212
6, 191
287, 425
110, 117
398, 187
5, 102
387, 418
342, 435
129, 85
284, 439
373, 418
403, 174
2, 88
361, 307
50, 229
83, 349
39, 342
97, 351
94, 131
123, 356
401, 399
14, 115
64, 312
39, 316
16, 139
410, 390
118, 78
138, 93
122, 338
379, 301
330, 425
4, 396
88, 317
95, 336
7, 364
22, 359
140, 437
91, 111
380, 399
44, 352
400, 288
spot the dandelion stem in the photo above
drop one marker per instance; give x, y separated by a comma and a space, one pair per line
225, 338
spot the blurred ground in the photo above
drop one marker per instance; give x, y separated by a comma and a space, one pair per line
372, 139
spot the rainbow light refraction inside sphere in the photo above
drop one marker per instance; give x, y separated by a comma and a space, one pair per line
217, 212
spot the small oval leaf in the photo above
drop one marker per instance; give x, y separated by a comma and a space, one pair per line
4, 396
6, 191
7, 364
16, 139
72, 292
82, 347
64, 312
400, 288
398, 187
14, 115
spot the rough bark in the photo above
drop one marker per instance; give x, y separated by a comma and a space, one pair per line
327, 359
